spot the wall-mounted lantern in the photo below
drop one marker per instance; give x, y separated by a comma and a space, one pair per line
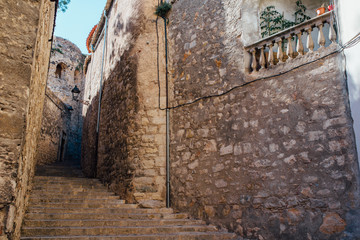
75, 93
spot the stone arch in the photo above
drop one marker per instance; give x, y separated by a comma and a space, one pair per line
77, 77
60, 69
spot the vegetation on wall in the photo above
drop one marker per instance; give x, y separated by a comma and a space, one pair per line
80, 67
272, 21
300, 15
163, 9
63, 5
56, 50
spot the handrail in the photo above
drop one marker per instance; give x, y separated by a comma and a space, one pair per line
258, 60
324, 17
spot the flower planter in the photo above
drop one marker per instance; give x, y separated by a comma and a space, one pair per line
320, 11
331, 7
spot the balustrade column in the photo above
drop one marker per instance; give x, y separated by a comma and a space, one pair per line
310, 41
248, 61
254, 62
321, 37
332, 33
280, 53
262, 59
271, 58
299, 45
289, 50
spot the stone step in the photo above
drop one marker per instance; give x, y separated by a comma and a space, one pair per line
82, 205
104, 200
75, 181
76, 195
96, 216
76, 231
131, 209
75, 207
167, 236
69, 187
109, 222
71, 193
50, 167
59, 178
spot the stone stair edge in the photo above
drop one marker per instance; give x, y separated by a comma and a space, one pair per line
126, 227
218, 235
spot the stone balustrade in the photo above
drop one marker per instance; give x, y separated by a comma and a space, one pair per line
279, 48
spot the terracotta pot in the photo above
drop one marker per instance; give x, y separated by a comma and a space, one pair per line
320, 11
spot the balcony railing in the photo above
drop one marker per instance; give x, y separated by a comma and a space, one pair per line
279, 48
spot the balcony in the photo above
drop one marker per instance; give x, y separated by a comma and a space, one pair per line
292, 47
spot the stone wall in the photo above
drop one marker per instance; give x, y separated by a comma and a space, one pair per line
66, 71
25, 50
55, 127
130, 153
274, 159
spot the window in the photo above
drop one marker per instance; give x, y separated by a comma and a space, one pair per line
60, 69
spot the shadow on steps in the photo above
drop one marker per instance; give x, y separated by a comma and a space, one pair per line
59, 170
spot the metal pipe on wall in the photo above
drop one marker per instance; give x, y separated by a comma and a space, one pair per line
167, 121
102, 74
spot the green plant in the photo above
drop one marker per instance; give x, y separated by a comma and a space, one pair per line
163, 9
270, 20
286, 23
63, 5
300, 15
57, 50
79, 67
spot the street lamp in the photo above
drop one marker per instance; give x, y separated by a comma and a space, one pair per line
75, 93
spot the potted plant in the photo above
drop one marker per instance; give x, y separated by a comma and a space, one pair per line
320, 10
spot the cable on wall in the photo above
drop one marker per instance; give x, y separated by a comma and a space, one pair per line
354, 41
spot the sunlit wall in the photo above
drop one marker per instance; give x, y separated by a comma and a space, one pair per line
349, 18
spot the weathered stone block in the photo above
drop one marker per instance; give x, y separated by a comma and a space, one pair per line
224, 150
332, 223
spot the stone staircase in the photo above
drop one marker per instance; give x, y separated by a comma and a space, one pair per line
65, 205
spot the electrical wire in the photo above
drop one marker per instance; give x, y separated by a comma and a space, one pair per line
354, 41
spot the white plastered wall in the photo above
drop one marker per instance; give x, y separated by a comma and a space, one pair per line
349, 21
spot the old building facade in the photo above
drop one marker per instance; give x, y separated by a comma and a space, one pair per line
262, 148
26, 29
128, 153
261, 134
60, 138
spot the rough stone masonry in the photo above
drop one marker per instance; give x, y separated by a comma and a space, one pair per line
272, 160
25, 30
129, 154
61, 130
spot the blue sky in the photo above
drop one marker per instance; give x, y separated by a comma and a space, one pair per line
76, 23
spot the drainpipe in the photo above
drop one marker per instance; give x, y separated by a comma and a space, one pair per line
167, 121
102, 74
100, 93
